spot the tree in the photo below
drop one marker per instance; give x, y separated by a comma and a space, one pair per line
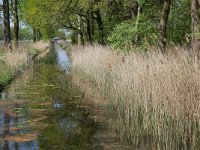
16, 22
6, 15
134, 8
96, 20
80, 31
100, 27
40, 16
163, 24
195, 15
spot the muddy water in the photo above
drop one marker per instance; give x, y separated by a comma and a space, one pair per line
42, 110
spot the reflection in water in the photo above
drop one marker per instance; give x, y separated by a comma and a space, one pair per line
41, 109
63, 59
57, 105
6, 129
3, 95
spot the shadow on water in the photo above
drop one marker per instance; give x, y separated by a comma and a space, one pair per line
42, 110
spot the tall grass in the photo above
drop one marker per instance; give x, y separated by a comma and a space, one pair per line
20, 56
152, 100
40, 45
14, 61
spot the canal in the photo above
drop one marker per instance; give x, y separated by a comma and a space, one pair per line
41, 109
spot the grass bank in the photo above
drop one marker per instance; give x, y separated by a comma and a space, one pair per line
13, 62
152, 101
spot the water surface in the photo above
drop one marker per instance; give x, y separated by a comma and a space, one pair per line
42, 110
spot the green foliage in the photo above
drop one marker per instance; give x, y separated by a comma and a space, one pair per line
1, 32
25, 33
179, 21
123, 35
126, 36
33, 51
118, 20
40, 15
6, 73
61, 34
74, 38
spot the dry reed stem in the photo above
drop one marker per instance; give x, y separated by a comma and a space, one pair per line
152, 100
20, 56
40, 45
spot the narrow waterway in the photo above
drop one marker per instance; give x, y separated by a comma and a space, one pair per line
42, 110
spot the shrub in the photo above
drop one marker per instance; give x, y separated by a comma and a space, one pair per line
124, 35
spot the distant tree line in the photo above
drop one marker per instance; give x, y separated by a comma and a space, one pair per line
121, 23
7, 7
10, 28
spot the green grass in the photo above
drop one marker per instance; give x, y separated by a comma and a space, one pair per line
13, 62
1, 53
33, 51
5, 74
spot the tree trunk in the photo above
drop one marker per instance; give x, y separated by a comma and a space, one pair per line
101, 27
39, 35
34, 35
134, 8
91, 3
195, 15
137, 38
16, 23
89, 31
90, 22
6, 15
163, 24
82, 38
80, 31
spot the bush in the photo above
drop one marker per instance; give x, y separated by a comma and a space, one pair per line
124, 35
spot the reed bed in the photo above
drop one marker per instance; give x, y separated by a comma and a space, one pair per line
152, 101
14, 61
40, 45
18, 57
